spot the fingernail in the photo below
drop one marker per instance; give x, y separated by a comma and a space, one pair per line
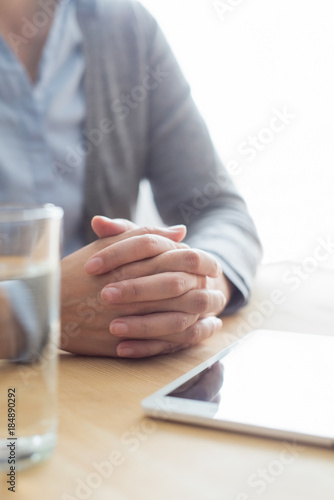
119, 222
107, 219
120, 329
125, 352
101, 217
93, 265
175, 229
110, 294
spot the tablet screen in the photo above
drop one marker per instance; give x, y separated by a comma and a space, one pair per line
273, 380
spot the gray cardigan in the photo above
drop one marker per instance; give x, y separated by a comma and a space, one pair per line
142, 123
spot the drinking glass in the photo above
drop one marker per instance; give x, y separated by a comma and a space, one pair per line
29, 332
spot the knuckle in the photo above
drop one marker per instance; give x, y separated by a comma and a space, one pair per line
207, 330
148, 230
202, 282
193, 260
194, 334
134, 290
180, 322
143, 329
149, 243
211, 329
178, 285
202, 301
170, 347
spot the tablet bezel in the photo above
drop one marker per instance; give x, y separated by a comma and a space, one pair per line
161, 406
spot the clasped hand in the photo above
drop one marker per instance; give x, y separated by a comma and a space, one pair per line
139, 292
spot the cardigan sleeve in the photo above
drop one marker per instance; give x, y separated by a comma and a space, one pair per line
190, 185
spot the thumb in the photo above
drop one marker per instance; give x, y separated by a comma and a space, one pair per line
103, 226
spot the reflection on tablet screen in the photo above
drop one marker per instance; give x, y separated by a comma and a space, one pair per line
269, 383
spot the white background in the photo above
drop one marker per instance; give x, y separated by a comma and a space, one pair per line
244, 59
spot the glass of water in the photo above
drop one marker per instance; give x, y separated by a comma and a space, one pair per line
29, 333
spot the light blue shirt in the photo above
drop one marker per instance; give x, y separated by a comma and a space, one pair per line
41, 126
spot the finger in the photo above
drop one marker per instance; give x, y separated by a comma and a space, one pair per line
103, 226
152, 288
199, 302
152, 325
200, 331
129, 250
174, 233
188, 260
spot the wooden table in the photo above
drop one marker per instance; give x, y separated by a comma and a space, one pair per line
108, 450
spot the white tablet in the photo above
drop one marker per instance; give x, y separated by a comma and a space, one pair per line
270, 383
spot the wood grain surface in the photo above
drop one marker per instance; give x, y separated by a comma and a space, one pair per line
108, 450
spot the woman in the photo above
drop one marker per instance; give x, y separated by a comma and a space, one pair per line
91, 102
